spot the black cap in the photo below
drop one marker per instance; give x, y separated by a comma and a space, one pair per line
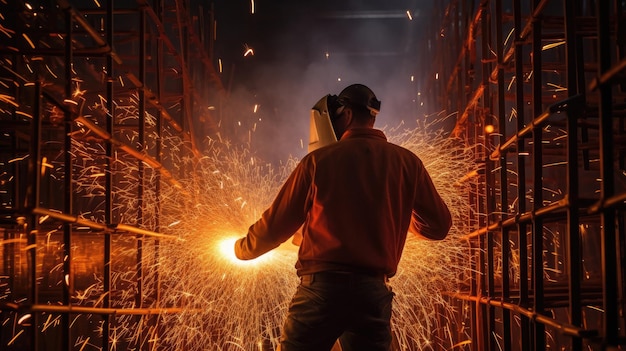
359, 94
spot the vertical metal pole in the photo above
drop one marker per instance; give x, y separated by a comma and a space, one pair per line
159, 144
521, 173
573, 236
481, 317
458, 48
32, 200
620, 34
110, 123
506, 248
537, 244
476, 327
490, 320
140, 166
609, 256
68, 207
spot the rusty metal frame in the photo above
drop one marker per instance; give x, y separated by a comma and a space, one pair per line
508, 221
150, 26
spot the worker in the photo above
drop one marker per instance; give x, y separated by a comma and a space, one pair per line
355, 199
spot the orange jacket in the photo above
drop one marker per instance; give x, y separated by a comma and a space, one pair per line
357, 199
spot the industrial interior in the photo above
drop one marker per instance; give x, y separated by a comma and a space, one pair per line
137, 133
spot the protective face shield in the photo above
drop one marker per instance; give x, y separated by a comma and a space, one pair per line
321, 131
329, 107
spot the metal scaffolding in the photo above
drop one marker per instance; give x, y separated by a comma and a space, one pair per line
86, 87
539, 90
103, 106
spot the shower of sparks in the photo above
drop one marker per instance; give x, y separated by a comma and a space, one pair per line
225, 303
228, 304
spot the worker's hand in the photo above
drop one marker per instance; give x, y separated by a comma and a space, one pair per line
239, 249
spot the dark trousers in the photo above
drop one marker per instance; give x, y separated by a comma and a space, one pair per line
354, 308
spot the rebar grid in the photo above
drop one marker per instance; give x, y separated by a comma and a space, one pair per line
547, 116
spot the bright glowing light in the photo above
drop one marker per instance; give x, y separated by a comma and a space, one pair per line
489, 128
408, 14
226, 248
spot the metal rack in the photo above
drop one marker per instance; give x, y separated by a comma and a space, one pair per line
85, 86
539, 90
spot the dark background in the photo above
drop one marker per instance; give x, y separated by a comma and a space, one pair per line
306, 49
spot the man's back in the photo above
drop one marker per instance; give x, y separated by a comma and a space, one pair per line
362, 192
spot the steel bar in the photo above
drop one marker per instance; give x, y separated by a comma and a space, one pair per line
490, 197
537, 187
471, 30
108, 228
607, 190
70, 309
524, 32
537, 122
154, 100
142, 156
109, 152
32, 199
206, 60
504, 231
93, 33
521, 171
524, 218
573, 235
609, 76
188, 91
134, 230
478, 92
67, 283
563, 328
139, 298
608, 203
158, 149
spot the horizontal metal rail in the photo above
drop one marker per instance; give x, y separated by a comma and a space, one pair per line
108, 228
536, 122
87, 310
608, 76
154, 101
564, 328
610, 202
525, 217
156, 165
93, 33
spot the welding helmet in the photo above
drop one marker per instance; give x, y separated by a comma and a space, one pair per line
358, 95
321, 132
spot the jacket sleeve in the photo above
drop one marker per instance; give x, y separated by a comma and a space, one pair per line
431, 217
280, 221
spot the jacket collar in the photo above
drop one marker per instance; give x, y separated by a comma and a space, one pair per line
363, 133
